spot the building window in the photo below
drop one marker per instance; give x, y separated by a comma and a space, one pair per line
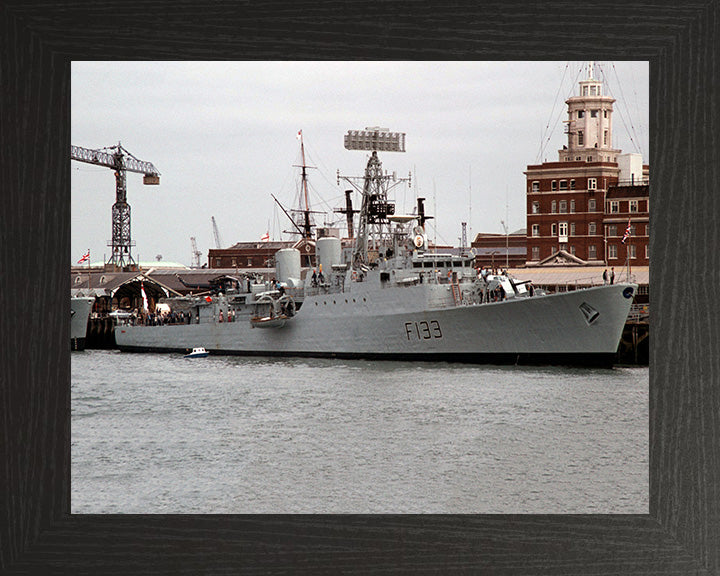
578, 158
536, 253
614, 207
553, 229
581, 113
591, 205
631, 251
605, 138
234, 262
592, 183
572, 229
585, 91
633, 206
536, 186
592, 228
563, 184
563, 231
572, 250
593, 90
605, 113
536, 229
553, 185
563, 206
589, 158
647, 251
612, 230
553, 207
249, 263
592, 252
536, 207
572, 184
217, 262
612, 252
581, 138
593, 113
572, 206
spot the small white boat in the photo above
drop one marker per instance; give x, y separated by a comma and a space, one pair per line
197, 353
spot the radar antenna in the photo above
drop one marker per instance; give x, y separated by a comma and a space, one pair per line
375, 207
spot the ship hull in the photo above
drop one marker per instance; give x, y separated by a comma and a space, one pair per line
582, 327
80, 309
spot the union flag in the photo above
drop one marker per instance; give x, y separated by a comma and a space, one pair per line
627, 233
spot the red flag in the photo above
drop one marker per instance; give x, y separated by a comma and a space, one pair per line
299, 135
85, 257
627, 233
208, 299
265, 237
144, 296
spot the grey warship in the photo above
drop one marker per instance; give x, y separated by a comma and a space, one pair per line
80, 308
388, 297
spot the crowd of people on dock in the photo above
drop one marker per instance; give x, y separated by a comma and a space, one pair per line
159, 318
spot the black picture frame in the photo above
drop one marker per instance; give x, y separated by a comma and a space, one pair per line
681, 533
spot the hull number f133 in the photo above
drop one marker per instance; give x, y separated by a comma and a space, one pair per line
423, 330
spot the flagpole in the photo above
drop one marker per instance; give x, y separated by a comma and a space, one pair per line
626, 238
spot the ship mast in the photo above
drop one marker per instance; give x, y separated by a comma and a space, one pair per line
306, 225
375, 207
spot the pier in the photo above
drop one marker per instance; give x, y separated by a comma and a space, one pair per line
634, 348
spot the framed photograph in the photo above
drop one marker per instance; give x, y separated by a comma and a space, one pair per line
39, 534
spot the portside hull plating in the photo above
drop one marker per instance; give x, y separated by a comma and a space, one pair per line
581, 328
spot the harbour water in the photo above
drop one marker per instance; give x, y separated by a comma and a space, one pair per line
156, 433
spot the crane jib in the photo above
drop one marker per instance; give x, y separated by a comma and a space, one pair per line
128, 163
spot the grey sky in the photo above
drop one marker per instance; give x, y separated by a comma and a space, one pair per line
223, 136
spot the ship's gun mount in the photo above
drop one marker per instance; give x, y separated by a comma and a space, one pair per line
511, 287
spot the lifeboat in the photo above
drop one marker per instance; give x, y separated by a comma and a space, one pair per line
272, 312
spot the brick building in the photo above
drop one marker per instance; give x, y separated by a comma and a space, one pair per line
627, 203
580, 205
500, 250
254, 255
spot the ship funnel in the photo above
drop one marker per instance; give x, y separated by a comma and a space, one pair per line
327, 251
287, 265
421, 212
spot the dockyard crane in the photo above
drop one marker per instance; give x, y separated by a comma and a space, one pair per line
216, 233
195, 253
120, 160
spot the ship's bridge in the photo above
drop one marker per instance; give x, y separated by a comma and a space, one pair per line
445, 261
